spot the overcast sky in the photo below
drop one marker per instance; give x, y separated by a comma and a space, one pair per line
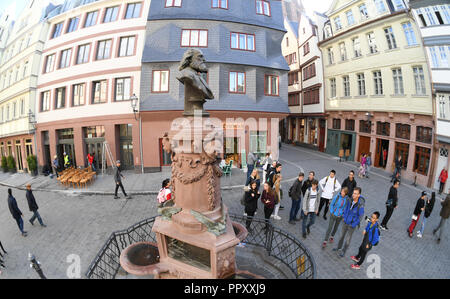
316, 5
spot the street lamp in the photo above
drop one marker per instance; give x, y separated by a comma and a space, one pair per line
32, 119
134, 102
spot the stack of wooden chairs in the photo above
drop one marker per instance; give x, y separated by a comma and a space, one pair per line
76, 177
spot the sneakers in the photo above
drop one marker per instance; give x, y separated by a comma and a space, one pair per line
355, 259
31, 222
308, 231
292, 222
245, 214
419, 235
43, 225
24, 234
281, 208
271, 216
116, 197
331, 240
276, 217
324, 244
384, 227
325, 217
128, 197
335, 249
304, 236
341, 253
355, 267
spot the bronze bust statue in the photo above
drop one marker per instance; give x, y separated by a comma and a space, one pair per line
196, 90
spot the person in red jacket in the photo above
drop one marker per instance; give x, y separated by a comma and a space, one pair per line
442, 179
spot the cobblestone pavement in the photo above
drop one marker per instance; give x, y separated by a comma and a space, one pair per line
79, 224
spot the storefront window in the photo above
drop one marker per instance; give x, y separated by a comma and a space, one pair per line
422, 160
402, 131
65, 134
365, 126
424, 134
383, 128
402, 150
94, 132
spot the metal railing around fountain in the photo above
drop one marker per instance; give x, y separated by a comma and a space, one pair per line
278, 243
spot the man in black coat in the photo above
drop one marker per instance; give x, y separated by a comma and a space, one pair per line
296, 196
420, 206
118, 179
33, 207
350, 183
391, 204
307, 184
15, 212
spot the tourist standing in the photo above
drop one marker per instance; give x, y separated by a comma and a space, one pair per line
353, 212
268, 199
118, 179
273, 172
350, 183
295, 192
90, 158
368, 164
66, 160
420, 206
429, 205
267, 163
362, 167
391, 204
251, 160
251, 203
442, 179
15, 212
32, 205
254, 177
328, 185
397, 169
337, 208
310, 207
164, 194
278, 196
371, 236
55, 165
445, 213
307, 184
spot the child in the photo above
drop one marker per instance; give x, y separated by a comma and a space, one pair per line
165, 194
371, 237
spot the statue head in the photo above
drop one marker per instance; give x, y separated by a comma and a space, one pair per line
194, 59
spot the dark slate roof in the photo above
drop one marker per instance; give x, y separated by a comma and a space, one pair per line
294, 26
238, 11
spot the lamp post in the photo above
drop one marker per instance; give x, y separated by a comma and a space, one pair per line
134, 103
32, 122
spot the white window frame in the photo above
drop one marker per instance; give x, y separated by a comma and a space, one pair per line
126, 46
419, 80
378, 82
157, 85
398, 81
193, 38
122, 89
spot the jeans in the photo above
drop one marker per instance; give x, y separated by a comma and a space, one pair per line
389, 211
333, 224
267, 213
93, 166
249, 170
20, 224
441, 227
424, 221
326, 202
347, 232
119, 184
294, 209
363, 251
312, 218
441, 187
36, 215
394, 175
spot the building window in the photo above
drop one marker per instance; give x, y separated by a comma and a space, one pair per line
383, 128
294, 99
372, 43
309, 71
57, 29
291, 58
22, 106
305, 49
73, 24
343, 51
378, 81
94, 132
78, 97
219, 4
409, 33
133, 10
398, 4
422, 160
160, 81
242, 41
402, 150
361, 84
263, 7
99, 91
103, 49
49, 63
83, 53
365, 126
398, 81
122, 89
336, 123
443, 55
333, 87
271, 85
363, 12
311, 97
381, 8
419, 80
60, 97
337, 23
350, 124
25, 69
403, 131
111, 14
236, 82
194, 38
91, 19
293, 78
390, 38
65, 58
434, 57
346, 82
424, 134
45, 102
126, 46
173, 3
356, 47
258, 142
330, 56
350, 18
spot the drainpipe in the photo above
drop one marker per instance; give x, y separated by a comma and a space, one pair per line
140, 143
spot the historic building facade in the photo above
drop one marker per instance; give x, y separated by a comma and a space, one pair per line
377, 87
241, 42
433, 19
89, 71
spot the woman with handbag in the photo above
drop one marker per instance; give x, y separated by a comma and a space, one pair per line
251, 203
420, 206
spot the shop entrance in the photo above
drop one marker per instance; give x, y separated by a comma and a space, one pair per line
322, 135
164, 157
93, 138
382, 153
19, 156
126, 146
347, 144
364, 146
66, 145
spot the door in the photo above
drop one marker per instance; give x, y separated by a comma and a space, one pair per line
364, 146
164, 157
19, 156
126, 154
321, 135
95, 148
382, 153
69, 150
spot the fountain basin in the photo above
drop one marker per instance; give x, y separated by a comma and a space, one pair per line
141, 259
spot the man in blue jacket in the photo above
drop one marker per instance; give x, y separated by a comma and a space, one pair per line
371, 237
337, 208
353, 212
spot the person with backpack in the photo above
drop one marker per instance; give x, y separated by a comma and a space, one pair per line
353, 212
429, 205
328, 186
295, 193
337, 208
445, 214
350, 183
164, 194
268, 198
391, 204
273, 172
251, 202
371, 237
310, 207
420, 206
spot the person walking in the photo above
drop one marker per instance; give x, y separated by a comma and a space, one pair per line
353, 212
268, 198
328, 186
310, 207
397, 169
362, 167
445, 213
278, 196
66, 160
442, 179
254, 177
15, 212
251, 160
55, 165
295, 192
32, 205
420, 206
371, 236
164, 194
251, 203
337, 208
267, 163
368, 164
429, 205
350, 183
391, 204
118, 179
